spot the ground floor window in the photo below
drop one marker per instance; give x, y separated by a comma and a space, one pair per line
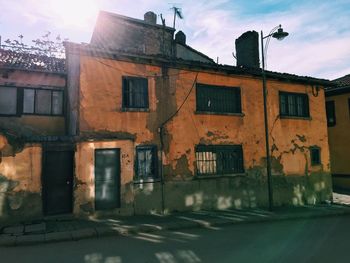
219, 159
146, 163
315, 153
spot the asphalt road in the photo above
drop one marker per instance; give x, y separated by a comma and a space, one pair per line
312, 240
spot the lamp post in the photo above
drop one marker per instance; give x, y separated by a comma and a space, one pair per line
278, 33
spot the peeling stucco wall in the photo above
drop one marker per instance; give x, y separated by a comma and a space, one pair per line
295, 181
20, 181
84, 185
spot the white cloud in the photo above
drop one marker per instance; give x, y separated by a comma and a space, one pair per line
318, 44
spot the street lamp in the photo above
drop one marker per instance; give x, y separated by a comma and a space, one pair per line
278, 33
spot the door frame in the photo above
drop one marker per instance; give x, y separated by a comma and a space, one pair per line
56, 147
120, 177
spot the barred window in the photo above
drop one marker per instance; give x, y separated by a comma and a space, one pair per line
294, 104
218, 99
135, 92
219, 159
146, 163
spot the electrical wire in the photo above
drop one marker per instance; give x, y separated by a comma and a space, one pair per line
184, 101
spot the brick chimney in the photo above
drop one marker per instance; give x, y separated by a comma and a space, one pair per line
150, 17
247, 50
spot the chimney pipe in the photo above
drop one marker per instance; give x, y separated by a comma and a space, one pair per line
150, 17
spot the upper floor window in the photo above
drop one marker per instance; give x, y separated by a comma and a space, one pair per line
17, 101
219, 159
146, 163
218, 99
135, 92
294, 104
8, 101
330, 112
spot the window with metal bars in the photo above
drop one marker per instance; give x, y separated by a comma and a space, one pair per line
219, 159
146, 163
218, 99
135, 93
294, 104
315, 155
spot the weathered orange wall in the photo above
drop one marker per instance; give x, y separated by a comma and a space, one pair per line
20, 180
84, 190
339, 141
290, 139
101, 99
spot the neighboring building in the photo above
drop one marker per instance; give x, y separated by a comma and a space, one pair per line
32, 107
154, 125
338, 120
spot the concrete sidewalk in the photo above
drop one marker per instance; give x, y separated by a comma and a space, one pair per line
55, 230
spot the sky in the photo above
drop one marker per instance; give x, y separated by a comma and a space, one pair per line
318, 44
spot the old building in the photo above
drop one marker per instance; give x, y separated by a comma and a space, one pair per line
338, 120
154, 126
32, 110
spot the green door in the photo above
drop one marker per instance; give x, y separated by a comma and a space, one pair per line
107, 179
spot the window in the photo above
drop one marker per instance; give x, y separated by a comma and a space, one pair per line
330, 112
146, 163
219, 159
135, 93
218, 99
315, 153
42, 102
294, 104
8, 101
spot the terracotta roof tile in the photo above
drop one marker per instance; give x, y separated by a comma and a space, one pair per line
27, 61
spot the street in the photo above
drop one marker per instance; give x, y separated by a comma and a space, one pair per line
305, 240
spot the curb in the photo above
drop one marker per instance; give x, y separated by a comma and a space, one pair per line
104, 231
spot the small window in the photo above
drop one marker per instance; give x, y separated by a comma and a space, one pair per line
219, 159
330, 112
146, 163
135, 93
315, 153
294, 104
8, 101
218, 99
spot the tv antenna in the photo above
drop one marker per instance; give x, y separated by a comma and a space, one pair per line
177, 13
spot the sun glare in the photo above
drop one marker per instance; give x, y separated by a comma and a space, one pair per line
79, 13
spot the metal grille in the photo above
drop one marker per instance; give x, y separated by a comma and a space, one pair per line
294, 104
219, 159
135, 92
146, 163
218, 99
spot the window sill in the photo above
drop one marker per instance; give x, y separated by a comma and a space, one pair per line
296, 118
135, 110
220, 113
199, 177
147, 181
